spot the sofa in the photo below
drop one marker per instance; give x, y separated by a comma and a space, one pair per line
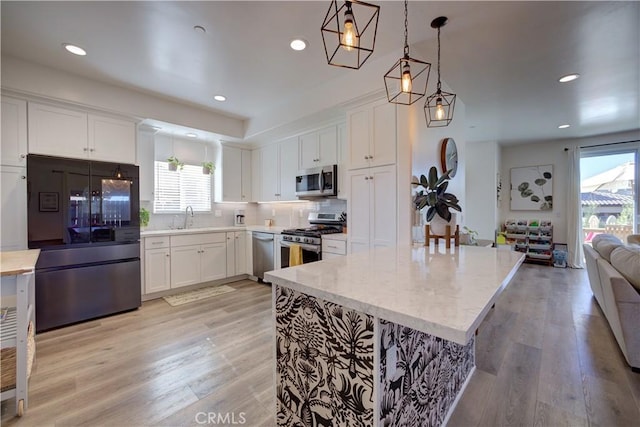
614, 275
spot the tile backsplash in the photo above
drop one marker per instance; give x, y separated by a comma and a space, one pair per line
292, 214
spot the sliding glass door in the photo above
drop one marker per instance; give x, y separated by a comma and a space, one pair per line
609, 181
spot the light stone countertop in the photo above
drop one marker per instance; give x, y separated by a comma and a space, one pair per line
337, 236
18, 262
443, 292
174, 232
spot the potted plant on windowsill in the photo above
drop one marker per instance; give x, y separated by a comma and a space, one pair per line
144, 217
207, 167
440, 202
174, 163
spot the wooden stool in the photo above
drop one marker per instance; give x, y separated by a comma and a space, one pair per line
448, 236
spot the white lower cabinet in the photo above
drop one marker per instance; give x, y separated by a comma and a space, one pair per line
236, 253
333, 248
157, 264
197, 258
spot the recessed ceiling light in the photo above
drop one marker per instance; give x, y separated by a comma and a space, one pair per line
298, 44
76, 50
220, 98
192, 135
563, 126
568, 78
199, 29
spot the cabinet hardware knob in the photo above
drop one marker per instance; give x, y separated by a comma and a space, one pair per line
371, 178
23, 177
366, 178
85, 149
92, 149
167, 255
22, 156
366, 157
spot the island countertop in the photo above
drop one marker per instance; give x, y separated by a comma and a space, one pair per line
443, 292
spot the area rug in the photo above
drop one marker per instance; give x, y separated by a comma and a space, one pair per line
197, 295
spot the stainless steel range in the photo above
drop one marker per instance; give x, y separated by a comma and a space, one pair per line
309, 239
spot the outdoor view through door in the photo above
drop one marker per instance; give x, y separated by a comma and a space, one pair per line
609, 193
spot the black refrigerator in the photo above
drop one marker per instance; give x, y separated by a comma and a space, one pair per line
84, 217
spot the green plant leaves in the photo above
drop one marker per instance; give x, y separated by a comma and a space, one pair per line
436, 197
535, 198
523, 186
433, 178
540, 182
547, 175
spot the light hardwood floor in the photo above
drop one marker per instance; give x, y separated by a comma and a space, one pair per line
545, 357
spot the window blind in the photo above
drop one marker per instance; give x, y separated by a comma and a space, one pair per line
175, 190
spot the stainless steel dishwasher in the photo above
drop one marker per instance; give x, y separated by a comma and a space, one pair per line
263, 250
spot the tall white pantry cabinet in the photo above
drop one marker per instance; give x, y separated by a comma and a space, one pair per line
13, 171
372, 204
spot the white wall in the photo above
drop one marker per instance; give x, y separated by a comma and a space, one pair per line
549, 153
426, 144
482, 168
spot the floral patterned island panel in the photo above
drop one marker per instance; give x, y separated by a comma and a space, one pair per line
325, 367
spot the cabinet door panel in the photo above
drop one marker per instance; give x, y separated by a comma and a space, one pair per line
246, 193
359, 134
359, 211
383, 149
57, 131
231, 254
214, 261
270, 190
231, 174
13, 226
328, 147
157, 270
240, 252
308, 150
343, 156
14, 132
288, 168
383, 184
185, 266
111, 140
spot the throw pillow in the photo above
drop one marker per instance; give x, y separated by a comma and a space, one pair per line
626, 259
603, 237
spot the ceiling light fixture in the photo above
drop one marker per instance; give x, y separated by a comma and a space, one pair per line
220, 98
563, 126
298, 44
568, 78
76, 50
438, 110
347, 44
191, 135
403, 86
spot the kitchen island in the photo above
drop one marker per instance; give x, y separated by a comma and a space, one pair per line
384, 337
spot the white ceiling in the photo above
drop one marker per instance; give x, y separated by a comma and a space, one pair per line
503, 59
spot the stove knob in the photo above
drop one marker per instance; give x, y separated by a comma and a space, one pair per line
307, 240
297, 239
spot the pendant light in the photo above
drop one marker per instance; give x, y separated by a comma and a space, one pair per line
406, 81
348, 43
438, 110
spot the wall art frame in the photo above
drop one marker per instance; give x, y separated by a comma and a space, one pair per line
532, 188
48, 202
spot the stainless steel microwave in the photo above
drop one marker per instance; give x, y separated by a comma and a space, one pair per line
317, 182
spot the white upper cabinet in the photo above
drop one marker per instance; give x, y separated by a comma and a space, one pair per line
234, 180
279, 164
13, 221
57, 131
14, 132
343, 155
111, 140
319, 148
63, 132
371, 133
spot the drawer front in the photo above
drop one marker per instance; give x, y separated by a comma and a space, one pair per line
338, 247
198, 239
156, 242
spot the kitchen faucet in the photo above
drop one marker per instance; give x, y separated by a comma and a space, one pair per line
186, 216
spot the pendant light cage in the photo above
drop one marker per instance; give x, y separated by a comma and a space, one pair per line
406, 82
349, 33
439, 107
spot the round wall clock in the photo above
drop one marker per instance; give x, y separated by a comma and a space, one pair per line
449, 156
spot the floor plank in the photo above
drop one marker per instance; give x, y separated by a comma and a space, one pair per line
545, 357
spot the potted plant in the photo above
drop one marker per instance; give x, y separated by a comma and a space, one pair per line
207, 167
144, 217
174, 163
440, 202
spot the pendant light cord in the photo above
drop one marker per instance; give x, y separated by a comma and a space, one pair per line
439, 85
406, 29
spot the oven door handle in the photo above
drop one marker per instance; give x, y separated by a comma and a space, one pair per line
310, 248
321, 181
